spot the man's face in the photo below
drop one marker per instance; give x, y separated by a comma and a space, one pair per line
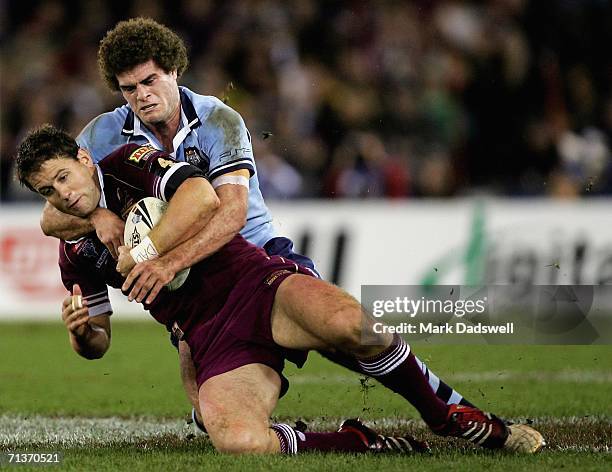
69, 185
151, 92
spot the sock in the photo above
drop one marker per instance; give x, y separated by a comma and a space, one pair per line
293, 441
442, 390
199, 426
397, 369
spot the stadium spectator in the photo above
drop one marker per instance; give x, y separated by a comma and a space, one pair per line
468, 79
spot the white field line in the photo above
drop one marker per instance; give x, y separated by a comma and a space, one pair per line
565, 376
52, 432
71, 432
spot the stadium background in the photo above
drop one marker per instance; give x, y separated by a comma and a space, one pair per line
396, 142
365, 99
458, 142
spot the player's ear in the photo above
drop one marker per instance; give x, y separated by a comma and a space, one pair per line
84, 157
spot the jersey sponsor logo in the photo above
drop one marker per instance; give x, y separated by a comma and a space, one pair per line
140, 155
102, 259
235, 154
275, 275
165, 163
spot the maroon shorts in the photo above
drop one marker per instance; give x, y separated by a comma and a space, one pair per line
240, 333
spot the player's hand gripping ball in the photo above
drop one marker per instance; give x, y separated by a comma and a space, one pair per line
143, 216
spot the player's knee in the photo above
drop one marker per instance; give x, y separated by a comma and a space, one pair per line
234, 437
240, 440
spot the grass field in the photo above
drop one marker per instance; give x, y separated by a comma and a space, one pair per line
128, 411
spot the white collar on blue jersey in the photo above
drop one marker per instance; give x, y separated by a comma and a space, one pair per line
189, 120
141, 130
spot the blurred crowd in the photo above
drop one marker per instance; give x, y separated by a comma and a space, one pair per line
361, 99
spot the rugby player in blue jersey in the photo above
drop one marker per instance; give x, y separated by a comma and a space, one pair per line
143, 60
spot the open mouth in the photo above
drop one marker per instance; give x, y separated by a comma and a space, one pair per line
148, 107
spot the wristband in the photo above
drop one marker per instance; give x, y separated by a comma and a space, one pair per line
144, 251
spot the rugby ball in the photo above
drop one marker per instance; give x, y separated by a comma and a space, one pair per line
145, 214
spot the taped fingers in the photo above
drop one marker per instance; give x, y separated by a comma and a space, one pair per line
76, 302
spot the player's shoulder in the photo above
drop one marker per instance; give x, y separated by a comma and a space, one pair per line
127, 153
104, 133
105, 125
203, 104
212, 111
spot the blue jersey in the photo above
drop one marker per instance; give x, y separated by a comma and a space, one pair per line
212, 137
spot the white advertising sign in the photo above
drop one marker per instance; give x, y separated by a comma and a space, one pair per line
380, 242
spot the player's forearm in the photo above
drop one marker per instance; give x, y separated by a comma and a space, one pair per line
190, 209
93, 344
229, 219
63, 226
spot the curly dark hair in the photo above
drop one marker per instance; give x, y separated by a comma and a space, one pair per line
135, 42
40, 145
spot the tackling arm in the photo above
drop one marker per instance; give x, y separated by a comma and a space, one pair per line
107, 225
190, 209
216, 229
63, 226
229, 219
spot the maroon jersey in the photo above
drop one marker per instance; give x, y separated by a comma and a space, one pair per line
130, 173
224, 307
133, 172
88, 263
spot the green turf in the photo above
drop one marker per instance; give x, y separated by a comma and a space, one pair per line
200, 456
40, 375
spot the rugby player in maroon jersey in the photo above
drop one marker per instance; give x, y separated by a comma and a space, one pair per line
241, 311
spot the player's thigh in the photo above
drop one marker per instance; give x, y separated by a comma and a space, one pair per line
238, 406
309, 313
